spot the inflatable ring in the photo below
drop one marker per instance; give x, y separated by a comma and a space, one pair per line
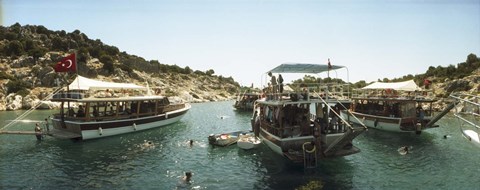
309, 151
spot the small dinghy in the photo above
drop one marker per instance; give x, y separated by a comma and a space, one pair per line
248, 141
225, 139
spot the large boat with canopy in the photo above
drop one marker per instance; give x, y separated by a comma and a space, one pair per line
92, 109
394, 106
303, 123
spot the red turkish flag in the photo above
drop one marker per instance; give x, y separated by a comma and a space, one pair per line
67, 64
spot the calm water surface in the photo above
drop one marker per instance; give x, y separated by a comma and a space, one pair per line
123, 162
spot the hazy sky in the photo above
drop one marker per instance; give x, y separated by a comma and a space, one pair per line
244, 39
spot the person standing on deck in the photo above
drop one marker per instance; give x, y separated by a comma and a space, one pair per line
280, 83
38, 131
273, 81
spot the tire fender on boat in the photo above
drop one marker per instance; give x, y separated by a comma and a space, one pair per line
100, 131
309, 151
134, 126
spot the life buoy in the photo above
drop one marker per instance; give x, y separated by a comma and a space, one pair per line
134, 126
309, 151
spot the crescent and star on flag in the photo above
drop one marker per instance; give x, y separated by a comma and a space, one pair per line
67, 64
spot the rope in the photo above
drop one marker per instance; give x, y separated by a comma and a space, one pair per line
350, 112
25, 114
343, 120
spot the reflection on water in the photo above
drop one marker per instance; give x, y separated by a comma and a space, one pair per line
158, 158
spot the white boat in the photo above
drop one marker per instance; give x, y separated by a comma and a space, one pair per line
467, 111
394, 107
304, 124
107, 109
248, 141
225, 139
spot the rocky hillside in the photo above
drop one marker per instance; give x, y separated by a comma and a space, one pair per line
469, 84
27, 54
463, 77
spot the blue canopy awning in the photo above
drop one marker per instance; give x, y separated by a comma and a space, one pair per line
304, 68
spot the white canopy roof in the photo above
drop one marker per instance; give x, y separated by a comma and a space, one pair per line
303, 68
405, 86
82, 83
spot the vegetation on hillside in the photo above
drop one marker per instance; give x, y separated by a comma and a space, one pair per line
434, 74
440, 73
36, 41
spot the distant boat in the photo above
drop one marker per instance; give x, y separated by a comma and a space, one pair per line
303, 125
107, 109
245, 101
467, 111
395, 107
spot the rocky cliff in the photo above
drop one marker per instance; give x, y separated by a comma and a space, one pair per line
41, 77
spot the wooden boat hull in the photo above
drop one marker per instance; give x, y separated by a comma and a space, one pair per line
376, 122
98, 129
391, 124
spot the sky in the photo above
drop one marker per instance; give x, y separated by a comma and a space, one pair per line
246, 38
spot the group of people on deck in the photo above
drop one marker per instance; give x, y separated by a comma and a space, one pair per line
275, 85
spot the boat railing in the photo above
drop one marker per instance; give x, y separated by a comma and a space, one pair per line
81, 94
467, 108
304, 90
391, 94
122, 114
341, 118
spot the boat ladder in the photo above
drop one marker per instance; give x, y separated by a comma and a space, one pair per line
444, 112
309, 155
347, 138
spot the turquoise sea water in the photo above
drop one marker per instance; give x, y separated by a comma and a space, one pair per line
123, 162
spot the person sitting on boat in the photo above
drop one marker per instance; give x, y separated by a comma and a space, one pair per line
80, 112
108, 93
421, 115
95, 111
71, 112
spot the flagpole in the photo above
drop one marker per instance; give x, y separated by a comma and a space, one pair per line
76, 68
328, 71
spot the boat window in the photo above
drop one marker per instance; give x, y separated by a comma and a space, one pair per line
408, 109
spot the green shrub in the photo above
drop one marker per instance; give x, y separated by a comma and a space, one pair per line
14, 86
4, 75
